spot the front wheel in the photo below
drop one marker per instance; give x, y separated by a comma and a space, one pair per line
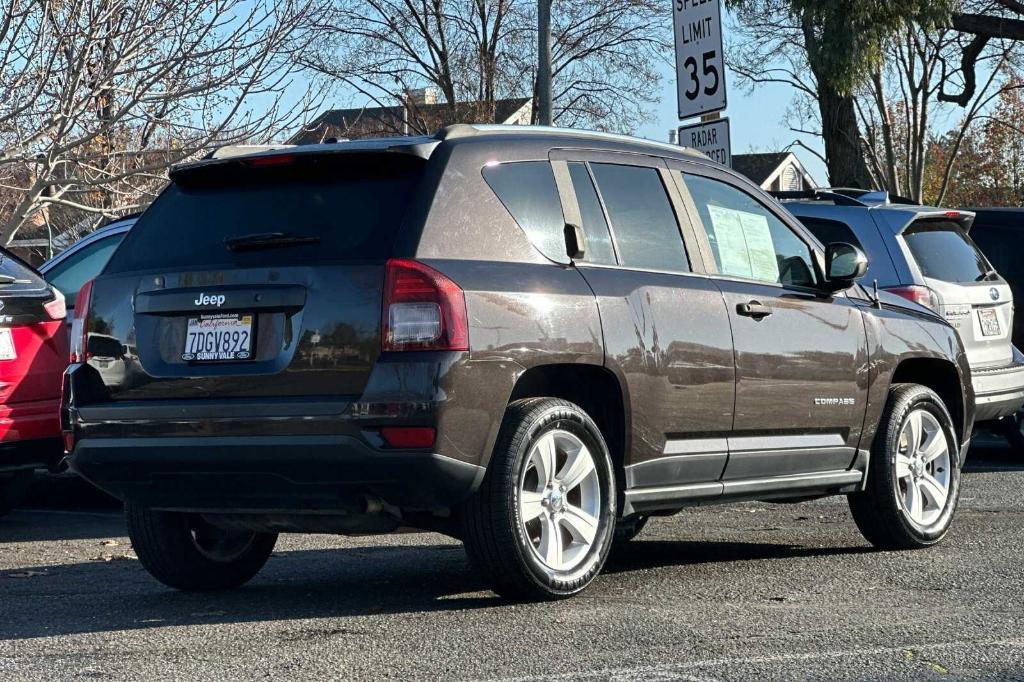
186, 552
541, 524
914, 474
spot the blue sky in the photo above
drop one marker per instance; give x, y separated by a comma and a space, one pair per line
755, 120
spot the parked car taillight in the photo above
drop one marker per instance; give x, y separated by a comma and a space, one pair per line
79, 324
918, 294
423, 309
57, 308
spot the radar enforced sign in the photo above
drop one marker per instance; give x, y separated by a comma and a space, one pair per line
710, 137
700, 70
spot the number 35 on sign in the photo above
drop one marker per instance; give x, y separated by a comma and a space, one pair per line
700, 70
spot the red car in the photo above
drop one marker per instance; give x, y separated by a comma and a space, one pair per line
33, 355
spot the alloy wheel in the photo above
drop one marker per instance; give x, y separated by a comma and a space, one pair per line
923, 468
560, 500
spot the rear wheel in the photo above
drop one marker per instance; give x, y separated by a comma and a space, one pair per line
914, 475
187, 553
541, 524
13, 489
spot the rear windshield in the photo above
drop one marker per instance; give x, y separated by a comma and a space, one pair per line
944, 252
337, 207
16, 275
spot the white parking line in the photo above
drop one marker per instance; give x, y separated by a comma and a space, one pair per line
675, 671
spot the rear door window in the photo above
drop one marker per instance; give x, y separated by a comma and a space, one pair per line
346, 206
528, 191
645, 227
943, 251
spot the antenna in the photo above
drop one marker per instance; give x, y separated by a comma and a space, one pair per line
875, 302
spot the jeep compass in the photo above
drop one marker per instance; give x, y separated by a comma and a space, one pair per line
530, 339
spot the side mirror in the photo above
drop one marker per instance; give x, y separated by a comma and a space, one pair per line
575, 241
845, 264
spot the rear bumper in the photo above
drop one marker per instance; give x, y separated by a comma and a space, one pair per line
318, 454
30, 435
998, 392
288, 474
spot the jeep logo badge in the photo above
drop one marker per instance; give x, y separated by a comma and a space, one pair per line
993, 293
206, 299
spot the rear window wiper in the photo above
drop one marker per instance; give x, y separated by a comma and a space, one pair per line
267, 240
989, 274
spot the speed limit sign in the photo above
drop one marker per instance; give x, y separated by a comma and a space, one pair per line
700, 65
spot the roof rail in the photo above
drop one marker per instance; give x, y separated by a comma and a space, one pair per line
457, 130
838, 198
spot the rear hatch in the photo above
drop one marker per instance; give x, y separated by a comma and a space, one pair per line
253, 278
970, 293
33, 341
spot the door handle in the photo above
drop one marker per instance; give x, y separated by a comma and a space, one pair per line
754, 309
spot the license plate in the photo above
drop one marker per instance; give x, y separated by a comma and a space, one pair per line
7, 351
218, 338
989, 322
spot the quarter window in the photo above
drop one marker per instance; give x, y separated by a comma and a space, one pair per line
646, 231
528, 191
746, 238
599, 241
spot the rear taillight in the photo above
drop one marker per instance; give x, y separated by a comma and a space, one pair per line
79, 324
918, 294
56, 309
423, 309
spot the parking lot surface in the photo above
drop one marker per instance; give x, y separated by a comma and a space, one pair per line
749, 591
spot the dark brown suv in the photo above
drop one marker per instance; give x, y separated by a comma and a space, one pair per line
529, 339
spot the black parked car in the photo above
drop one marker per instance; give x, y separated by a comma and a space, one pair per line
530, 339
1000, 234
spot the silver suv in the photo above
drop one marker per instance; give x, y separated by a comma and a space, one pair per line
924, 254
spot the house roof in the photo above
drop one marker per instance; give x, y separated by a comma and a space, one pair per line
426, 118
758, 167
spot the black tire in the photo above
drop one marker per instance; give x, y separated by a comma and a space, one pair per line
877, 510
495, 538
626, 530
14, 488
184, 552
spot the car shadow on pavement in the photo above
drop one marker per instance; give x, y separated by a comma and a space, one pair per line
644, 554
113, 595
984, 457
56, 525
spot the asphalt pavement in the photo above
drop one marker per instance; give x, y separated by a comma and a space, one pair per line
747, 591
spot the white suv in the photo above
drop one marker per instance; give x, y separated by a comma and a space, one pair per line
924, 254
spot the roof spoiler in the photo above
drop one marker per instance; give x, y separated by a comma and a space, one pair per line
232, 150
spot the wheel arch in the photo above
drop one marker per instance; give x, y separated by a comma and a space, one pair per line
597, 391
942, 377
